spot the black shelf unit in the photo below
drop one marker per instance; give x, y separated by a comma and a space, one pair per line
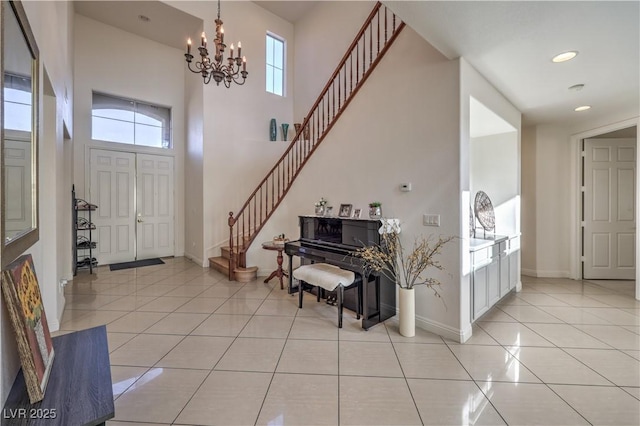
83, 227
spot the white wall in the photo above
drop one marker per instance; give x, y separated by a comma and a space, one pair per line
553, 202
237, 152
473, 84
494, 167
52, 25
552, 189
528, 249
194, 184
375, 146
116, 62
335, 23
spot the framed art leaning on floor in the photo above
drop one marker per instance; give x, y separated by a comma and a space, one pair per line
26, 310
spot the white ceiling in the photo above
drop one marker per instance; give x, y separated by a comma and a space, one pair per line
288, 10
166, 25
510, 42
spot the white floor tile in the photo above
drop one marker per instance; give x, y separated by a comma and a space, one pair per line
189, 347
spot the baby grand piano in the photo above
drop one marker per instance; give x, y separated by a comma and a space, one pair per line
333, 240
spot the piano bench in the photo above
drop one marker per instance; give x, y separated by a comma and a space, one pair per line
330, 278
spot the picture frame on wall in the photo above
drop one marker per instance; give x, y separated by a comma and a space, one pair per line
356, 213
24, 302
345, 210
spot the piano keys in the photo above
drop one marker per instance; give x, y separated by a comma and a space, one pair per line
334, 240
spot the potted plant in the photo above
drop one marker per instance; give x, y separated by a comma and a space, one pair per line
320, 206
405, 268
375, 210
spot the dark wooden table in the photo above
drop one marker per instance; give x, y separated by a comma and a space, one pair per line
79, 391
270, 245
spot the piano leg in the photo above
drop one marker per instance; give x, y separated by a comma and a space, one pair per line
300, 293
340, 300
290, 274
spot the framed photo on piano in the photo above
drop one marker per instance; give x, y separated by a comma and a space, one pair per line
345, 210
356, 213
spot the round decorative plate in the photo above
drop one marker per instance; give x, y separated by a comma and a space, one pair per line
472, 222
484, 211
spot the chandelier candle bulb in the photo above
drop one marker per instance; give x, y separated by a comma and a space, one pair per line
239, 50
203, 39
231, 55
244, 63
221, 34
188, 46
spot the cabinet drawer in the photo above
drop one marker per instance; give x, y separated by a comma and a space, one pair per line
484, 256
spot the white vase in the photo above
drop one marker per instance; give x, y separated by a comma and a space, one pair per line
407, 312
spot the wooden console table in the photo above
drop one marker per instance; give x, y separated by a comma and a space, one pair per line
79, 391
279, 272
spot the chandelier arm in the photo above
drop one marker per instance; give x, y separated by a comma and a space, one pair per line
198, 66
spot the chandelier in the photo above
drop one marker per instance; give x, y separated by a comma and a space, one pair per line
215, 67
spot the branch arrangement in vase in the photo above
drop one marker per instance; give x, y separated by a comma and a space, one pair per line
405, 268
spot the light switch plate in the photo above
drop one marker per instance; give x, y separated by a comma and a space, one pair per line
431, 220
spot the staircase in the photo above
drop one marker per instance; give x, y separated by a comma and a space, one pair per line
367, 49
221, 264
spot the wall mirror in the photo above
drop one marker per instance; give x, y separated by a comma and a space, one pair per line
19, 132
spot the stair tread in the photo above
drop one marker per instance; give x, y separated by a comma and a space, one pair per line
224, 263
219, 260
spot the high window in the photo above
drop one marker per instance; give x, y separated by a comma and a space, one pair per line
275, 65
128, 121
17, 102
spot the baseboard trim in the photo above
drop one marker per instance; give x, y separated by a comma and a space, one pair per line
443, 330
545, 274
196, 260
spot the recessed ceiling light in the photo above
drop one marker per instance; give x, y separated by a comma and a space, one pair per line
565, 56
582, 108
577, 87
144, 18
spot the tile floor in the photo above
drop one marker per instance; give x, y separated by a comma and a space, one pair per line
190, 348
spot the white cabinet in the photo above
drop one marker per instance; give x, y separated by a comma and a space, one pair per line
494, 265
514, 261
481, 292
493, 277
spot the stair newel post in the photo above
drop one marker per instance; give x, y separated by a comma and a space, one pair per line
232, 255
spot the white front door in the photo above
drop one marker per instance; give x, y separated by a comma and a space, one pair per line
609, 208
155, 206
134, 195
113, 176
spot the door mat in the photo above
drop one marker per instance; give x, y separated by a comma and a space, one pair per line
135, 264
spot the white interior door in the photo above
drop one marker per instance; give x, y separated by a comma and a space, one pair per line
17, 186
113, 191
609, 208
154, 191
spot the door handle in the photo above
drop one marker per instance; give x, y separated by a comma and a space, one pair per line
140, 220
